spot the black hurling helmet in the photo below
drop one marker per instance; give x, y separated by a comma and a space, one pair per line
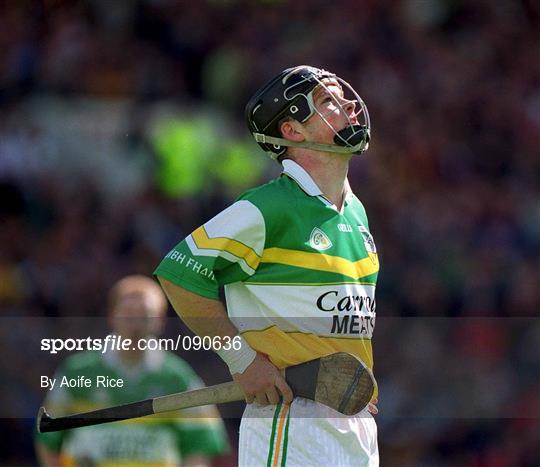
290, 94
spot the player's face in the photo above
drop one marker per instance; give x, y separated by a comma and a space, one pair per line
135, 317
336, 109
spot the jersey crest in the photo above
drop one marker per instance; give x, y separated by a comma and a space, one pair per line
319, 240
368, 240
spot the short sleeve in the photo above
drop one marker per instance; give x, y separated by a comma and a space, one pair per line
227, 249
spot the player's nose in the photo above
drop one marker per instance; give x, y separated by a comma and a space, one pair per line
350, 107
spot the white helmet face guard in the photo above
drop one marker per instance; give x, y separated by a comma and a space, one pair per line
353, 139
358, 127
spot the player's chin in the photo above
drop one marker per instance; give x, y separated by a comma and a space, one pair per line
348, 124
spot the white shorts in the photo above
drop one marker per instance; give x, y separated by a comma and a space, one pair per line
306, 433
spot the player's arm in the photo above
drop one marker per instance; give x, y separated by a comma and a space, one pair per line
226, 249
260, 380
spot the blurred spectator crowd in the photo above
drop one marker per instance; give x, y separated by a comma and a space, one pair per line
95, 95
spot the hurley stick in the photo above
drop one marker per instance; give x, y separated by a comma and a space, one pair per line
340, 381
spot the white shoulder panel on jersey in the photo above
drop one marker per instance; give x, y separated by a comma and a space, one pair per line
236, 234
243, 222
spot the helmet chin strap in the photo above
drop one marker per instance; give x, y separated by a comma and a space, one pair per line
353, 139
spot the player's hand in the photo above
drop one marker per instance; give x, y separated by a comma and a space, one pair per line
263, 383
372, 407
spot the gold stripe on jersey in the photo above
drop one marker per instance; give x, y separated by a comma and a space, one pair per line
234, 247
286, 348
321, 262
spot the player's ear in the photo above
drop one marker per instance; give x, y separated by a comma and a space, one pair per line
292, 130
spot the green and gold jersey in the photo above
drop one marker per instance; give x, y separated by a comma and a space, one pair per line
299, 274
160, 440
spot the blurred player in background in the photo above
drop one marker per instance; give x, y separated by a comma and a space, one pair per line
299, 267
191, 437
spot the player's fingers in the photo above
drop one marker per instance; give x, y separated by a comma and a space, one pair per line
273, 396
261, 398
284, 389
372, 407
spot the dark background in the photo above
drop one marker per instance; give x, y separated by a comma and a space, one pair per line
121, 130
